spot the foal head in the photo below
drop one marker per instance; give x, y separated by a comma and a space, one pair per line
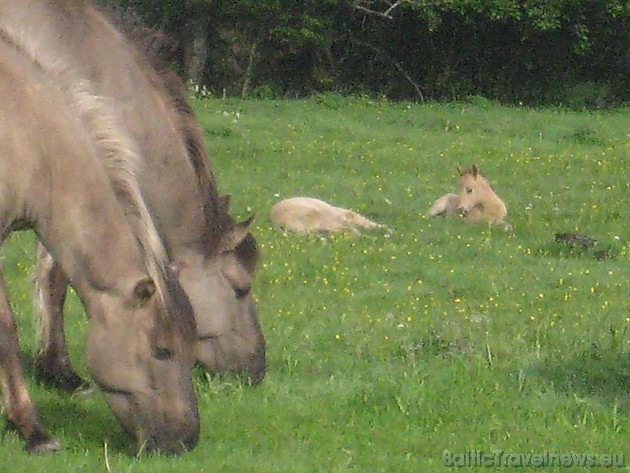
474, 191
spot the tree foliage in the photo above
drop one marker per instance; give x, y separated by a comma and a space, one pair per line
530, 50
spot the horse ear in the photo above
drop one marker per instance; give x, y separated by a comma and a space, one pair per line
143, 291
475, 171
459, 170
236, 235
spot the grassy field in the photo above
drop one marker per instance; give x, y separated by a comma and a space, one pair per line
385, 350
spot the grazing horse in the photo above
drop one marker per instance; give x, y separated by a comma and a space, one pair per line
141, 336
213, 255
309, 215
475, 201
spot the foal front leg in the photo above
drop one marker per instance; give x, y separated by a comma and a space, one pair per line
53, 361
19, 409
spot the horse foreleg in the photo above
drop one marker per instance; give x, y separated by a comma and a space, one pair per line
53, 361
476, 214
19, 409
443, 206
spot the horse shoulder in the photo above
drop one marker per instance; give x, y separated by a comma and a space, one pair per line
294, 214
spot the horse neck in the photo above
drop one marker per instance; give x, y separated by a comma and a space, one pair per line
199, 207
58, 182
87, 231
491, 202
170, 141
207, 218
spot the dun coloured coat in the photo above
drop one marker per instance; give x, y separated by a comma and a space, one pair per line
309, 215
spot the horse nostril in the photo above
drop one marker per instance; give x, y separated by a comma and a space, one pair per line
241, 292
162, 353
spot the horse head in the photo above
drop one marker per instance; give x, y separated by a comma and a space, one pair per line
218, 283
476, 199
140, 350
472, 188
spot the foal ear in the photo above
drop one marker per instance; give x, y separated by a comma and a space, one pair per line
460, 171
143, 291
236, 235
475, 170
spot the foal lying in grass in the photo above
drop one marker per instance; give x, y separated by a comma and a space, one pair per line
308, 215
475, 201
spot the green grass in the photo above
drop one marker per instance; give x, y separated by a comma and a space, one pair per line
386, 349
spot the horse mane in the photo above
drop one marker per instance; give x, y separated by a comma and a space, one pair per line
119, 157
153, 49
122, 163
218, 220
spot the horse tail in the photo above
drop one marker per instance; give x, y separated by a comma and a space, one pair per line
43, 268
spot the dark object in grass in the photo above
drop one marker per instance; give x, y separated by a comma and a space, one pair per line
601, 254
578, 243
576, 240
435, 344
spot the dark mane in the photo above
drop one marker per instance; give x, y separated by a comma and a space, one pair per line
120, 162
218, 221
154, 50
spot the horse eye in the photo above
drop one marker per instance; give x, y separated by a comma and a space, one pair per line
241, 292
469, 190
162, 353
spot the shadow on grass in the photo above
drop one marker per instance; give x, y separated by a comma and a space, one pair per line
84, 423
594, 373
81, 420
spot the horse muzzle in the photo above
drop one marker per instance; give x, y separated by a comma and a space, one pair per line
461, 212
224, 355
167, 430
168, 441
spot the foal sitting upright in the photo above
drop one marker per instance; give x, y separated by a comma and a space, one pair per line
475, 201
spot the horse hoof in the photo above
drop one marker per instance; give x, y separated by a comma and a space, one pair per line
42, 444
63, 379
72, 383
